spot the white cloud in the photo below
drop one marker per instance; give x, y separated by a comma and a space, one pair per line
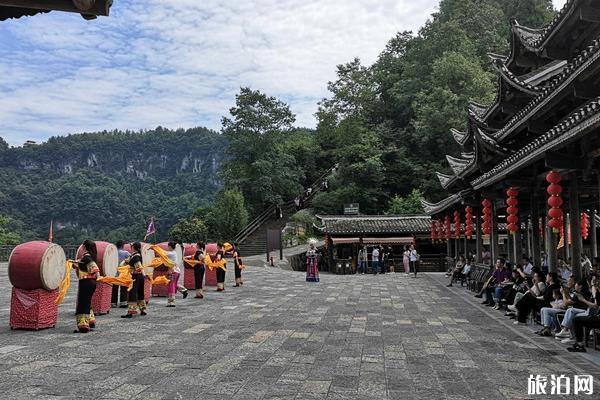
180, 63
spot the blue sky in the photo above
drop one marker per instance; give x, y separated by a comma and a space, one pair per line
179, 63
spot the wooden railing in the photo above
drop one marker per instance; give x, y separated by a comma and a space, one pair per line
257, 222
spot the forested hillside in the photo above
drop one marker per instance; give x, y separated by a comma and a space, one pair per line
108, 184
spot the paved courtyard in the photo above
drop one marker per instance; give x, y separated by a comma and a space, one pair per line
278, 337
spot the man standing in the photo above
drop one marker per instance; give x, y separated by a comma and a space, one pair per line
375, 260
122, 303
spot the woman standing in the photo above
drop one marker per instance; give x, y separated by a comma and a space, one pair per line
174, 274
199, 269
87, 272
414, 258
237, 264
406, 260
221, 268
312, 268
135, 299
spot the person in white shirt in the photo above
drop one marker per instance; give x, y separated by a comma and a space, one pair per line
173, 286
527, 266
375, 260
414, 257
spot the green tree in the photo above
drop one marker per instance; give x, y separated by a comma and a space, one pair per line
189, 230
256, 164
410, 204
7, 236
227, 215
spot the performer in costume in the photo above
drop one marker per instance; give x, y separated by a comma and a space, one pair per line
119, 293
220, 256
312, 268
135, 299
174, 273
199, 269
87, 272
237, 265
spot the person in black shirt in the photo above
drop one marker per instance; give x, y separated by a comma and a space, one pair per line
135, 299
87, 272
199, 270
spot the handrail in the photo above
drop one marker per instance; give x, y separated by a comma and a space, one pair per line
253, 225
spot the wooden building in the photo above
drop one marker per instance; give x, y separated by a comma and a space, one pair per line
537, 143
346, 234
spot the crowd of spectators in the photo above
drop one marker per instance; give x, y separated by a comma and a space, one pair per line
563, 307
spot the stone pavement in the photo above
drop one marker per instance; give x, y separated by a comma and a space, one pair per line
278, 337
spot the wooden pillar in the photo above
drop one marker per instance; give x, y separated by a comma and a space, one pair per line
551, 251
478, 238
528, 246
593, 236
494, 235
575, 226
466, 246
535, 228
456, 248
566, 225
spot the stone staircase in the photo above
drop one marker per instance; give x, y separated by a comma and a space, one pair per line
253, 238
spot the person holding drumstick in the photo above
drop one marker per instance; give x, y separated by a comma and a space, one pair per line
87, 272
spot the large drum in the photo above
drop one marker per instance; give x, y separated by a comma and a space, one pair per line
189, 250
37, 265
108, 258
210, 276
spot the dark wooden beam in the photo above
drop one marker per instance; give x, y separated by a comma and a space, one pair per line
585, 91
588, 13
560, 160
556, 53
97, 7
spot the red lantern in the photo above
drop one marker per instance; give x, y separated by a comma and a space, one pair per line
585, 221
456, 225
468, 222
554, 190
553, 177
432, 231
512, 210
440, 227
486, 226
448, 227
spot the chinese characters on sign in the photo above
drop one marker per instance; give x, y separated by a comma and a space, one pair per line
560, 385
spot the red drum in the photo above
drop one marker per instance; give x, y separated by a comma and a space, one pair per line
37, 265
210, 277
188, 271
108, 258
101, 298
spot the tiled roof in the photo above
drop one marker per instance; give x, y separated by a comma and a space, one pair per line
435, 208
87, 10
376, 224
578, 123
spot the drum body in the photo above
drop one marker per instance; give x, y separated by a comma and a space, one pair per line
108, 257
37, 265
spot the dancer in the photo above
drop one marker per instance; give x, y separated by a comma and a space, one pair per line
199, 270
135, 300
173, 286
221, 267
119, 293
238, 266
87, 272
312, 268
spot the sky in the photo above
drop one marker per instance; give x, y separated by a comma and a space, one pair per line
180, 63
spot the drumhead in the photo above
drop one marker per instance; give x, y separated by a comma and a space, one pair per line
110, 260
52, 267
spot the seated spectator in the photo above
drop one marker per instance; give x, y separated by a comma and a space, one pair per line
548, 314
460, 263
530, 302
535, 288
509, 291
579, 301
527, 266
591, 319
564, 270
499, 277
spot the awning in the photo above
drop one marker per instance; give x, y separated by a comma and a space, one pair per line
374, 240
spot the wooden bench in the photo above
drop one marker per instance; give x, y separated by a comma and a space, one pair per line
478, 276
